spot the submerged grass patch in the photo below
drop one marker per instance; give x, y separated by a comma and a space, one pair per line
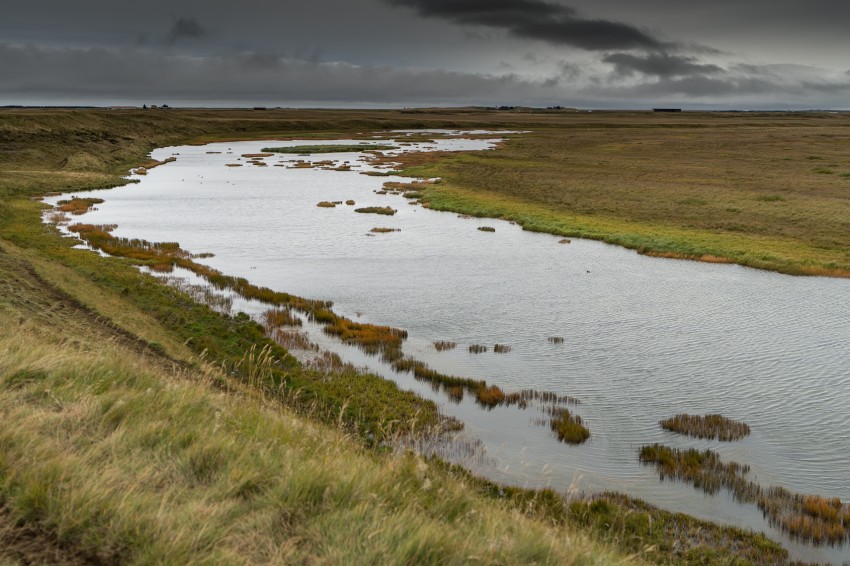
281, 317
78, 206
486, 229
809, 518
326, 204
568, 427
384, 210
330, 148
378, 230
706, 426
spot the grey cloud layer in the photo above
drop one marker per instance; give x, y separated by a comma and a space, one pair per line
150, 76
537, 19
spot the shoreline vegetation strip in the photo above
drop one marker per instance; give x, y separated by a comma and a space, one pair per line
85, 150
373, 339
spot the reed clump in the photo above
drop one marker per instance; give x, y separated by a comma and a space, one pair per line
707, 426
556, 339
326, 204
703, 469
278, 317
564, 241
501, 348
490, 396
78, 206
811, 518
443, 345
568, 427
454, 393
350, 202
378, 230
233, 165
486, 229
477, 348
371, 338
385, 210
257, 155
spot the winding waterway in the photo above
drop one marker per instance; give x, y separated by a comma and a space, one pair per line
644, 338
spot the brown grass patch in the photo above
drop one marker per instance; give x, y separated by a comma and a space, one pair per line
707, 426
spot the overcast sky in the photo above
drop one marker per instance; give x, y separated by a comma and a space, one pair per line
390, 53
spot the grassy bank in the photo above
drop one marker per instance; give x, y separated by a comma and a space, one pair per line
140, 426
770, 192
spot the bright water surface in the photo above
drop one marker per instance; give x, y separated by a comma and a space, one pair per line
644, 338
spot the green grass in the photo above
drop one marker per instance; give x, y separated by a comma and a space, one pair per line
677, 190
568, 427
152, 465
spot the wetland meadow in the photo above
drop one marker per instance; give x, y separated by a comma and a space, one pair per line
621, 317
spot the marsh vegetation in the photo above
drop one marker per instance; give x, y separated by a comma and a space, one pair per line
329, 148
809, 518
706, 426
383, 210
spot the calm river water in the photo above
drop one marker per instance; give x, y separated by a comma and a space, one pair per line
644, 338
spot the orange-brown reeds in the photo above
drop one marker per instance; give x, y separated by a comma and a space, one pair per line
349, 202
443, 345
78, 206
707, 426
454, 393
378, 230
281, 317
501, 348
490, 396
326, 204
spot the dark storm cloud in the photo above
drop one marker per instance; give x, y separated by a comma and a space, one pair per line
538, 19
659, 64
139, 75
186, 28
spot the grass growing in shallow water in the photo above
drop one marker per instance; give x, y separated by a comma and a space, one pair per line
332, 148
568, 427
78, 206
385, 210
707, 426
809, 518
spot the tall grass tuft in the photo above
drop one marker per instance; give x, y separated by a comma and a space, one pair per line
707, 426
